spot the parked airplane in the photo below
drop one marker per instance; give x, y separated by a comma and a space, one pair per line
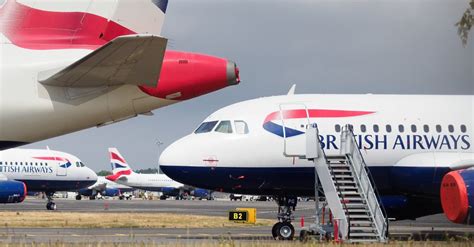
41, 170
71, 66
418, 149
104, 187
123, 174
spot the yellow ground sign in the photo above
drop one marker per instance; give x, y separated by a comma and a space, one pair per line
243, 215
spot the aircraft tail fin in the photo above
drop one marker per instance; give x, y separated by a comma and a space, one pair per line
78, 24
118, 163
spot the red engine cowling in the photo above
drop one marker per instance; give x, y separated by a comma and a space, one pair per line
12, 191
457, 196
186, 75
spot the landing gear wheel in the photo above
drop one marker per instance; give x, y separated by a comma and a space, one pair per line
286, 231
78, 197
275, 230
304, 236
51, 206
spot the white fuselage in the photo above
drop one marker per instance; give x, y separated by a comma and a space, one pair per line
262, 148
45, 170
409, 143
150, 182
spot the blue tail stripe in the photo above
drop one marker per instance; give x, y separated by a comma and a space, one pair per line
162, 4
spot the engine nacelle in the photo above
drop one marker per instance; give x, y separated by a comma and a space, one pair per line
170, 191
12, 191
201, 193
111, 192
457, 196
186, 75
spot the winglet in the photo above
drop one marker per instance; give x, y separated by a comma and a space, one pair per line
292, 90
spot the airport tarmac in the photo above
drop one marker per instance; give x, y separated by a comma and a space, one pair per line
432, 227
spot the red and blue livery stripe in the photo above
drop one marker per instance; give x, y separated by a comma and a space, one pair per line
66, 162
277, 129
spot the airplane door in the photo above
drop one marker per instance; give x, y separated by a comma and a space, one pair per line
294, 119
61, 170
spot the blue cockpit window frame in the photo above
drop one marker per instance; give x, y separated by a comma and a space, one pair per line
206, 127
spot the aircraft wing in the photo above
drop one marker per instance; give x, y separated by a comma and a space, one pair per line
130, 59
455, 161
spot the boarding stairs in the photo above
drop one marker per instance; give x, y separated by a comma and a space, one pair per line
348, 189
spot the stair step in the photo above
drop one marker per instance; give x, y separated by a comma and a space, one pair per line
357, 210
340, 166
363, 240
363, 234
342, 176
359, 216
355, 205
362, 228
341, 171
338, 157
352, 198
345, 192
345, 188
361, 222
345, 182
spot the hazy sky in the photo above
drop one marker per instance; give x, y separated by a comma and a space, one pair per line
376, 46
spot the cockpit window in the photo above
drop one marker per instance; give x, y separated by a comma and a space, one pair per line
224, 127
241, 127
82, 164
205, 127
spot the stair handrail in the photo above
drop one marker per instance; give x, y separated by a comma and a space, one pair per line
354, 152
314, 125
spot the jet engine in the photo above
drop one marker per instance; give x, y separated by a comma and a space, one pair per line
12, 191
457, 196
186, 75
201, 193
111, 192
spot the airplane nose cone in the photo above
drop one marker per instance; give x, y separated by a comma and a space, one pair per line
232, 73
168, 156
172, 160
92, 176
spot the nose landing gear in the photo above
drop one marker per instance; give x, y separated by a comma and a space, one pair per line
50, 205
283, 229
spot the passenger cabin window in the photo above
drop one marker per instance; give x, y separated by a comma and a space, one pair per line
451, 128
426, 128
401, 128
205, 127
337, 128
363, 129
241, 127
376, 128
413, 128
224, 127
438, 128
388, 128
463, 128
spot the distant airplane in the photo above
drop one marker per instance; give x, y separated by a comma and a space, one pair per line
418, 148
71, 66
41, 170
104, 187
123, 174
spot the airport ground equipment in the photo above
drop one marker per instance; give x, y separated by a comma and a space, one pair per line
243, 215
349, 192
